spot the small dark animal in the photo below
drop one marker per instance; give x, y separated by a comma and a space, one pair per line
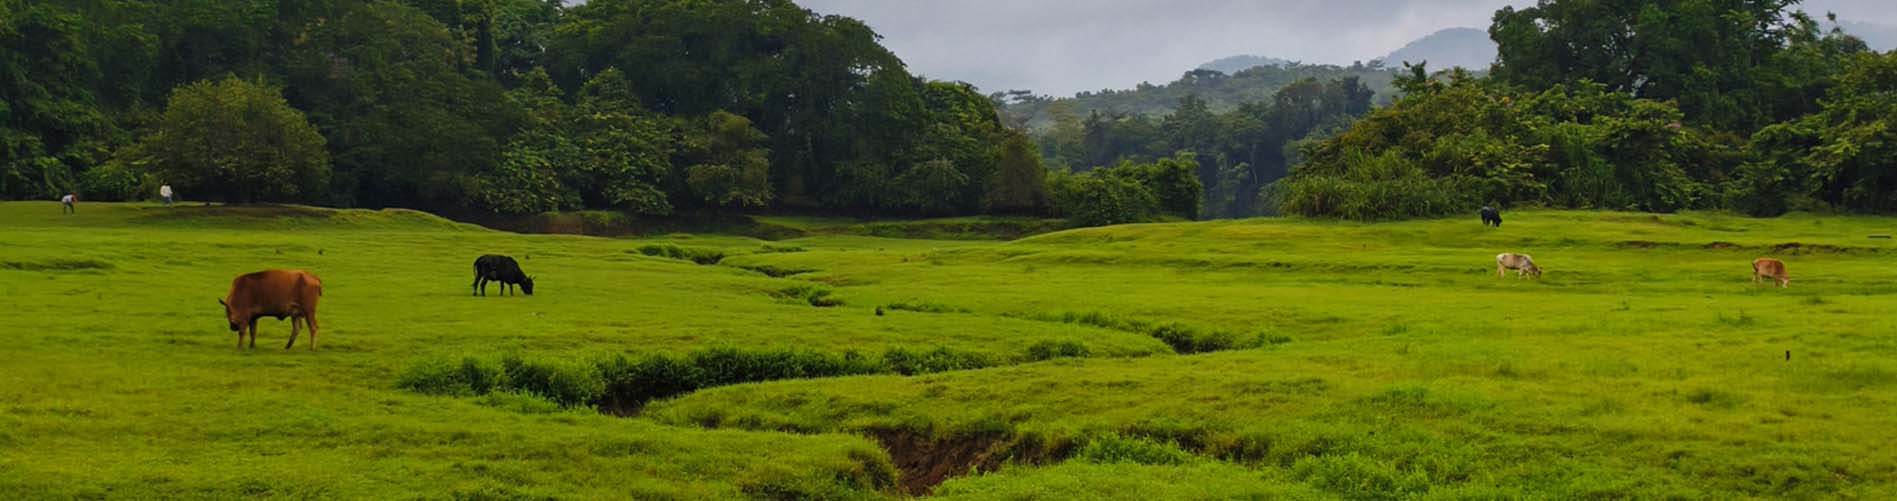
879, 311
1491, 217
272, 293
503, 269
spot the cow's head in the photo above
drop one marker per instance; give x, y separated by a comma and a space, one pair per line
227, 314
527, 285
1533, 271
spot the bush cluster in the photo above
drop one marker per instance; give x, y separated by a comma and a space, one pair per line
814, 295
1048, 350
1184, 339
696, 255
1113, 448
1130, 192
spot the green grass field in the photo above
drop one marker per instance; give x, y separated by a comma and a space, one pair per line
1275, 359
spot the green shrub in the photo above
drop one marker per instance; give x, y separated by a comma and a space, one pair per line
724, 366
564, 383
1113, 448
1186, 339
112, 182
1047, 350
1100, 200
433, 376
446, 376
814, 295
632, 383
779, 249
1360, 477
696, 255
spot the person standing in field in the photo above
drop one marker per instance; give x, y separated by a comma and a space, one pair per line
164, 191
66, 203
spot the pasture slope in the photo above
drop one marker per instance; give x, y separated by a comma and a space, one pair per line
1242, 359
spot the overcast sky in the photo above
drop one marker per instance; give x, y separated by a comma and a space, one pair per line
1063, 46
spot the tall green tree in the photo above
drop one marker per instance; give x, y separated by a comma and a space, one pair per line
235, 141
729, 164
1717, 58
1020, 181
407, 126
52, 122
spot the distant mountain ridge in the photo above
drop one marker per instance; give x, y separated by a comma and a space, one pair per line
1468, 48
1235, 64
1221, 92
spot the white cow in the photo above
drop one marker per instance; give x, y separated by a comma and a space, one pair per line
1523, 265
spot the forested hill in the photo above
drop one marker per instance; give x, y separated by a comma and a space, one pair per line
1235, 64
1221, 92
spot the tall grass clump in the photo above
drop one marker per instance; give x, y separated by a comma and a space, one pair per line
1050, 349
566, 383
725, 366
940, 359
1113, 448
1184, 339
693, 254
448, 376
811, 294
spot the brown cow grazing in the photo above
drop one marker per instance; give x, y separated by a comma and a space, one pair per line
1523, 265
1774, 269
272, 293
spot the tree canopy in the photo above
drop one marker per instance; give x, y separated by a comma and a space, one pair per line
235, 141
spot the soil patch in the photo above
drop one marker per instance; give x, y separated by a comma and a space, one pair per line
926, 463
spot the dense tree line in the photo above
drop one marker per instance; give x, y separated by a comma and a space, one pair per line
1627, 105
1236, 154
650, 107
657, 107
1220, 91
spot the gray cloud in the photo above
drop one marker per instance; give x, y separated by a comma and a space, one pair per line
1063, 46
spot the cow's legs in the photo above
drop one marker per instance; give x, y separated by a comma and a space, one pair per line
253, 333
293, 325
240, 336
477, 284
310, 321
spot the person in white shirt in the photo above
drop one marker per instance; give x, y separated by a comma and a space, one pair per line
66, 203
165, 191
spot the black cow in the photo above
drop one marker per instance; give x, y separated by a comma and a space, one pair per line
1491, 216
503, 269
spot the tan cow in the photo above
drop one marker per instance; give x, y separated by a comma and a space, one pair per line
272, 293
1523, 265
1774, 269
